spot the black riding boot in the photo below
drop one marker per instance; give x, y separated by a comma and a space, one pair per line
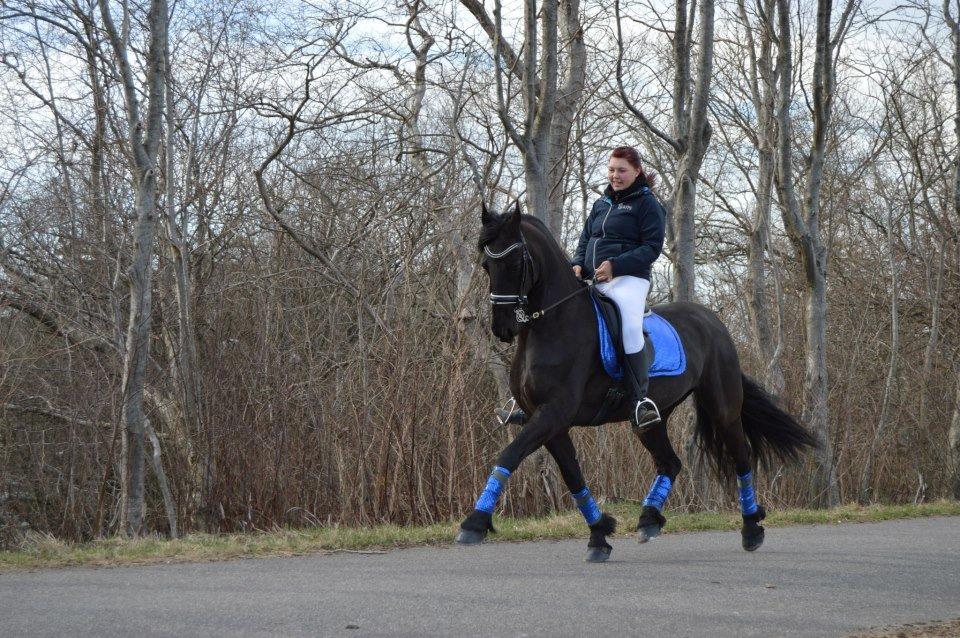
645, 412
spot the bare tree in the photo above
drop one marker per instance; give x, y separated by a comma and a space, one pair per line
802, 219
763, 93
691, 130
951, 20
145, 132
550, 94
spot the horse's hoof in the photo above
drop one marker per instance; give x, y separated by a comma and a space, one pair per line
752, 538
648, 532
752, 530
598, 554
470, 537
650, 524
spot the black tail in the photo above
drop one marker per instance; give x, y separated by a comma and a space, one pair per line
772, 433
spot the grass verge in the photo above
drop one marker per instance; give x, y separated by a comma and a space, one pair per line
45, 552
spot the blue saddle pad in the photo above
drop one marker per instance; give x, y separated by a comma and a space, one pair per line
669, 356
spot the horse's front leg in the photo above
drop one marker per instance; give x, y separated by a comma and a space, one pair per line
546, 421
601, 524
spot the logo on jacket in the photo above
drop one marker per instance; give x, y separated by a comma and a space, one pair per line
623, 207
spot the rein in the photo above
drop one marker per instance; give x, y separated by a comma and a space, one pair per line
521, 300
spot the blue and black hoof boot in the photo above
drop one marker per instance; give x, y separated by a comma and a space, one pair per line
752, 530
650, 524
598, 549
474, 528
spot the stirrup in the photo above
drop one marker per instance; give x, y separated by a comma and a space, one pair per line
649, 411
510, 413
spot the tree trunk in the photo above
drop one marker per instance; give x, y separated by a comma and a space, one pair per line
162, 480
816, 412
758, 297
549, 109
144, 142
138, 352
802, 223
953, 437
683, 239
569, 96
953, 440
693, 133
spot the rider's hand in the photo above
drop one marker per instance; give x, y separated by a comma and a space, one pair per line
577, 270
604, 272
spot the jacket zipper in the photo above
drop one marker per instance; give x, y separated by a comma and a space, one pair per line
603, 230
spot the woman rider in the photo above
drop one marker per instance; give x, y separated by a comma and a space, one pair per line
622, 237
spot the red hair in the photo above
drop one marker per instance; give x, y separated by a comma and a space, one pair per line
633, 158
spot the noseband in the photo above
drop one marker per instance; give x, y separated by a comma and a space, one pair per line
520, 299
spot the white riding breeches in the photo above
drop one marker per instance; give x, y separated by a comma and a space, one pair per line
630, 295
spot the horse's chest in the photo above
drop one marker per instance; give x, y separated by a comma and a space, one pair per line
537, 382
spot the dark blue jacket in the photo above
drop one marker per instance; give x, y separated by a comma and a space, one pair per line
625, 227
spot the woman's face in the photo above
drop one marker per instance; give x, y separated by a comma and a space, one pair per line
621, 174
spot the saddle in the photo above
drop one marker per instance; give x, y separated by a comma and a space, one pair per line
611, 334
610, 327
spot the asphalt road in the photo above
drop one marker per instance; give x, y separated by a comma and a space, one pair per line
805, 581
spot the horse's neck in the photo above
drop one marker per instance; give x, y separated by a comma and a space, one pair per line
560, 325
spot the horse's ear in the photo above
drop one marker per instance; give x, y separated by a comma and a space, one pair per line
485, 215
513, 224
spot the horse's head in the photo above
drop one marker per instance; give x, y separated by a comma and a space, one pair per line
507, 261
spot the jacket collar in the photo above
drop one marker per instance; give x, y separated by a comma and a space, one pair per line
637, 187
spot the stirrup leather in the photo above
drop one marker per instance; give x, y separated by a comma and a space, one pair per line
649, 406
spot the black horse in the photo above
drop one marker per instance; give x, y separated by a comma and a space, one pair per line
558, 379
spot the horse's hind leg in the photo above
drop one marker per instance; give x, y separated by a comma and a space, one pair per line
601, 524
668, 465
735, 442
719, 404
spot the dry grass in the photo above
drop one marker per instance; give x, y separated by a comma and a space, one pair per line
42, 551
935, 629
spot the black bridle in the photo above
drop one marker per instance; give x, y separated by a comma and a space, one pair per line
521, 299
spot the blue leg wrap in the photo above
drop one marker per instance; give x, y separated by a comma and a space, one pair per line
491, 493
588, 507
748, 499
659, 492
